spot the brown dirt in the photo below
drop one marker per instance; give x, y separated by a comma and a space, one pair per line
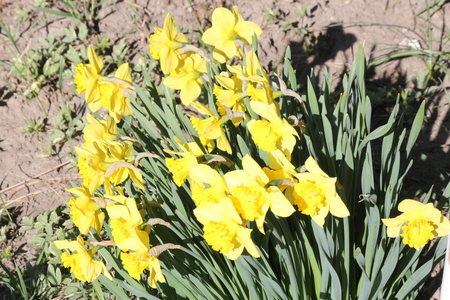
21, 168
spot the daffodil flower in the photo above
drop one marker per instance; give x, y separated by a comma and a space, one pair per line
224, 230
186, 78
251, 196
207, 186
81, 262
210, 129
95, 160
165, 43
126, 221
255, 78
112, 96
136, 262
315, 194
100, 130
180, 167
227, 27
87, 79
272, 132
280, 168
419, 223
85, 212
124, 152
92, 164
231, 96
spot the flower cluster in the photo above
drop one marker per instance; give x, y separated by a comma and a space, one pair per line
106, 161
226, 201
235, 184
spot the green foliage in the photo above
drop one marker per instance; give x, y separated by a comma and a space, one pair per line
34, 126
339, 261
80, 12
43, 276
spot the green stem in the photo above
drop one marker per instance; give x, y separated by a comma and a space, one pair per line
42, 105
195, 16
4, 207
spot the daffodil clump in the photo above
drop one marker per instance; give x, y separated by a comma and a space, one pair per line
260, 183
105, 161
226, 201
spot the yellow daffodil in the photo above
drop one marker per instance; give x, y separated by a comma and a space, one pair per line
207, 186
92, 164
100, 130
419, 223
280, 168
124, 152
126, 221
81, 262
315, 194
95, 160
87, 79
165, 43
231, 96
180, 167
227, 27
85, 212
251, 196
272, 132
258, 86
187, 78
112, 94
136, 262
224, 230
210, 129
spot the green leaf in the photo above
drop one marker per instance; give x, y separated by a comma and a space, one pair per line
82, 31
415, 128
115, 289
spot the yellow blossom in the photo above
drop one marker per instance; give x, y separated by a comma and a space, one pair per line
165, 44
231, 96
210, 129
100, 130
81, 262
87, 79
224, 229
180, 167
112, 94
251, 196
207, 186
85, 212
187, 78
126, 221
92, 164
227, 27
315, 194
136, 262
258, 86
279, 166
124, 152
419, 223
96, 158
272, 132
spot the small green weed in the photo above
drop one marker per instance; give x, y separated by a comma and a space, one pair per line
44, 276
34, 126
